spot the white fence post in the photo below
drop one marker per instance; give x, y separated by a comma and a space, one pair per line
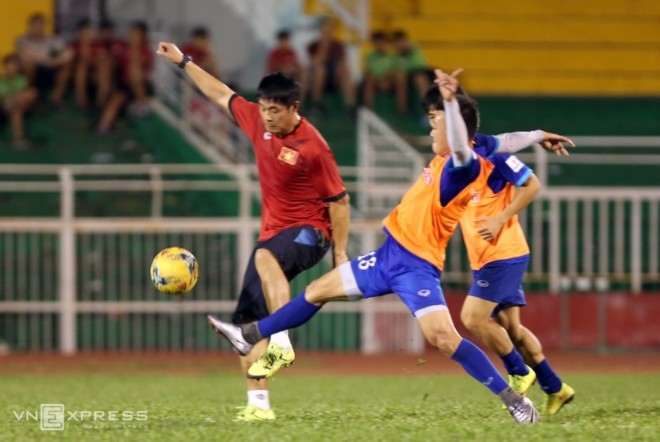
156, 192
67, 264
636, 246
245, 243
554, 240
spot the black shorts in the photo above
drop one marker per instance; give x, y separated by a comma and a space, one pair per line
296, 249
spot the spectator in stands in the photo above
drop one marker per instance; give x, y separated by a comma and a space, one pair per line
381, 74
107, 37
112, 49
134, 60
16, 97
45, 58
87, 66
412, 63
329, 67
283, 58
200, 49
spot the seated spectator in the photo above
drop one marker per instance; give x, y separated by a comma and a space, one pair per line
107, 38
87, 64
381, 74
134, 60
283, 58
329, 67
44, 58
16, 97
112, 48
200, 49
411, 62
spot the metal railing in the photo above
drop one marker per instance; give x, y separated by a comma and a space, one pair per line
388, 164
72, 282
205, 125
355, 14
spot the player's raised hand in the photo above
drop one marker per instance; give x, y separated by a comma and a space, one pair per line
448, 83
555, 143
169, 51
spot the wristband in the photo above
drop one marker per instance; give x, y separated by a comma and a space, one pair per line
186, 58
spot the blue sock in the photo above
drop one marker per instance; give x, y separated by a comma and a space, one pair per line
548, 379
514, 364
477, 364
293, 314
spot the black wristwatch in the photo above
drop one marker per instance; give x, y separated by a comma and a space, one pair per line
184, 61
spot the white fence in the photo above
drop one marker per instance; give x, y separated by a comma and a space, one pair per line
73, 282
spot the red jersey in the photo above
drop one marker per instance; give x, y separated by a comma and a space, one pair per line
282, 60
125, 55
90, 49
199, 56
297, 173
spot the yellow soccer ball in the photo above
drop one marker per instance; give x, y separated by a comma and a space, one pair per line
174, 271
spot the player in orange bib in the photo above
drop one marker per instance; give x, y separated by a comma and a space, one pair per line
499, 254
410, 261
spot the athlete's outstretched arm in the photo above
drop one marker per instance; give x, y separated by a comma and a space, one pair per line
214, 89
457, 136
340, 218
525, 194
512, 142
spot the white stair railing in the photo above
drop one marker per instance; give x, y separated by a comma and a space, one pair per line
353, 13
388, 164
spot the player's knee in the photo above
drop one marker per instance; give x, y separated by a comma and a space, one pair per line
317, 290
472, 322
444, 337
263, 257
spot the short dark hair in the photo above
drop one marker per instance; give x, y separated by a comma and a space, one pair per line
37, 16
469, 110
200, 31
13, 57
399, 34
141, 25
279, 88
106, 24
284, 33
378, 36
83, 23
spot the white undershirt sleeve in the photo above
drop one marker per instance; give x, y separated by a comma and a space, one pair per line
513, 142
457, 136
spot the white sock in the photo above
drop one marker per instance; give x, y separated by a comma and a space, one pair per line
282, 339
259, 398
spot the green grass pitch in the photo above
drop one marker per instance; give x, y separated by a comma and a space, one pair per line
311, 408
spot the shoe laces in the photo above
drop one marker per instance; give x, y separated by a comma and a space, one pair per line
270, 358
519, 411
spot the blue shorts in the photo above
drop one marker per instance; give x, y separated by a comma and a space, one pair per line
501, 282
393, 269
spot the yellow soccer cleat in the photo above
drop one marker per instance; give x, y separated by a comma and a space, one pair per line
253, 413
554, 402
271, 361
521, 384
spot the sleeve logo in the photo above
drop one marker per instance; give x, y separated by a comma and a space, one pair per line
514, 163
288, 156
